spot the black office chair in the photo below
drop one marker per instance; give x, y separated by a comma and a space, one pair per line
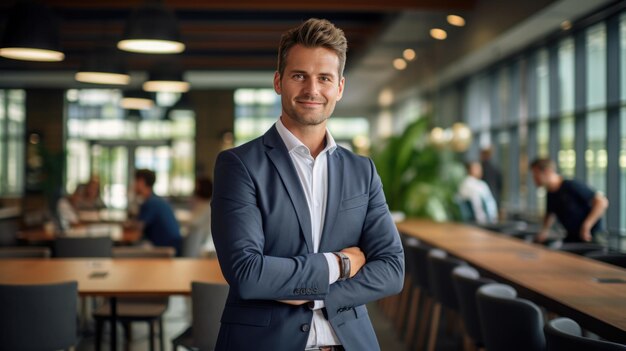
98, 247
467, 281
564, 334
418, 311
509, 323
38, 317
24, 252
440, 267
148, 309
208, 302
614, 258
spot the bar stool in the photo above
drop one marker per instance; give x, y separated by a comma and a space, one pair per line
440, 267
467, 281
564, 334
509, 323
421, 299
408, 290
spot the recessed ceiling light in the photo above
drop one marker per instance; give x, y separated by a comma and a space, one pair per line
456, 20
438, 33
409, 54
399, 64
566, 25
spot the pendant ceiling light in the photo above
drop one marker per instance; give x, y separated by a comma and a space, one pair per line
166, 80
31, 34
103, 67
137, 100
182, 107
152, 29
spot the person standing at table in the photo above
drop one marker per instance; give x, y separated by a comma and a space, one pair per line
578, 207
156, 216
303, 234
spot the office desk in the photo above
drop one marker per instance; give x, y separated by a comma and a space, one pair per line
124, 277
562, 282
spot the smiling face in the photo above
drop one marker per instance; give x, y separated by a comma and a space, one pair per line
310, 85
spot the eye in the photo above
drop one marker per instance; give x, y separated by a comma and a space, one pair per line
326, 79
298, 76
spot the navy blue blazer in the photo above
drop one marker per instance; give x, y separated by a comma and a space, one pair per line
262, 232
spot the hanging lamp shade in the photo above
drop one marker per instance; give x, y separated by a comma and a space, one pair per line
166, 80
32, 34
152, 29
103, 67
137, 100
182, 105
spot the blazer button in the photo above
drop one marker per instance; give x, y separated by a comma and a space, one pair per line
305, 327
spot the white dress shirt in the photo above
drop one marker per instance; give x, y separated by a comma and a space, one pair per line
477, 192
313, 175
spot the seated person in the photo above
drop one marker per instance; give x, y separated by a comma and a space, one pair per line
88, 198
201, 211
155, 215
578, 207
476, 192
66, 211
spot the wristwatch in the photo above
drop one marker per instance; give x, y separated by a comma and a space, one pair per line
344, 266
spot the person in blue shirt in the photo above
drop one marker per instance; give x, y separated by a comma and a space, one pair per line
156, 215
578, 207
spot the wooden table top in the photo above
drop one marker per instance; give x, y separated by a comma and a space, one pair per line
117, 231
124, 277
562, 282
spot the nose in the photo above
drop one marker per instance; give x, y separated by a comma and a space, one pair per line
311, 87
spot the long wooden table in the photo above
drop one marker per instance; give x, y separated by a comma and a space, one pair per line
564, 283
119, 234
114, 278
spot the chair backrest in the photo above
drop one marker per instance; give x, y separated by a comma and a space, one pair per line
509, 323
83, 247
38, 317
419, 260
192, 243
144, 252
24, 252
614, 258
440, 267
581, 248
466, 282
564, 334
208, 302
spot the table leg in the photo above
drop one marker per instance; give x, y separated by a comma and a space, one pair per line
113, 322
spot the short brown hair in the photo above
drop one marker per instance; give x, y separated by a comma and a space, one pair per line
314, 33
147, 176
542, 164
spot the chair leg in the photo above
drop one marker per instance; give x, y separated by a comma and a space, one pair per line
402, 305
151, 327
434, 327
128, 335
161, 335
412, 317
422, 327
98, 334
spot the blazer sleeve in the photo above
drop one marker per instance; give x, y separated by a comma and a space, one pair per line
383, 273
236, 223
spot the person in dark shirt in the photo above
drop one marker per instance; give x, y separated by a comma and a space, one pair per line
578, 207
157, 217
491, 174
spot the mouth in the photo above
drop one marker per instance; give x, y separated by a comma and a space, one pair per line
309, 104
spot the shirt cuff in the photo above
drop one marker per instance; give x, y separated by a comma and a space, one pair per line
333, 267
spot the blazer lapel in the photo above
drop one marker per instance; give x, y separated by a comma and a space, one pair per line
279, 156
333, 198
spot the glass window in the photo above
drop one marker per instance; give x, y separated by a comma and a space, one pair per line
596, 66
622, 166
543, 136
622, 35
12, 124
566, 75
567, 154
543, 84
595, 155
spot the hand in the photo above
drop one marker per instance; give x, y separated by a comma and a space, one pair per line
585, 232
542, 236
357, 259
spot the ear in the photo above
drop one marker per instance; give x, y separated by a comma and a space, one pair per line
277, 86
342, 83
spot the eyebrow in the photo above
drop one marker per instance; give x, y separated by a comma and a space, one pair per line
325, 74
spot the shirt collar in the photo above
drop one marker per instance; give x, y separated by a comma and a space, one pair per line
292, 142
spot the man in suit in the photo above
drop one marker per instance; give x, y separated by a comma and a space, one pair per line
301, 227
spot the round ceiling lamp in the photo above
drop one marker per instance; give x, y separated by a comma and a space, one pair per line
170, 81
136, 100
152, 29
103, 67
32, 34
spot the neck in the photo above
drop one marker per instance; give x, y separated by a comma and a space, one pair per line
555, 183
312, 136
